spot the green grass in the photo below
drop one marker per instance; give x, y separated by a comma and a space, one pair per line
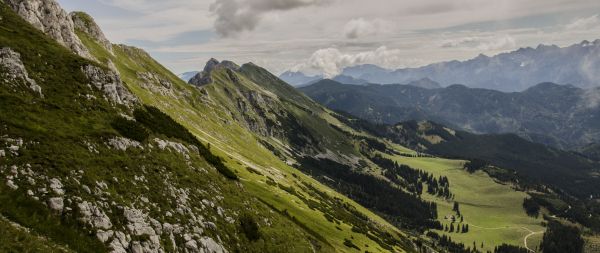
55, 129
209, 118
493, 211
18, 239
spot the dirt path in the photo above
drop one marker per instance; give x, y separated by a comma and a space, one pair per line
531, 233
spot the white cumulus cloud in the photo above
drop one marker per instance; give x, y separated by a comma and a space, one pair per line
331, 61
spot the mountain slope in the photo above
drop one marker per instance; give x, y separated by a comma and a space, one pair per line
512, 71
558, 115
71, 174
213, 113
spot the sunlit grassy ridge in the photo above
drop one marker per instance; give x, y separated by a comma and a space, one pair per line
210, 114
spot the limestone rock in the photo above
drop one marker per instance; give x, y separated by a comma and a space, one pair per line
104, 236
178, 147
156, 83
110, 83
94, 216
85, 23
209, 245
50, 18
57, 187
121, 143
11, 184
56, 204
137, 224
11, 62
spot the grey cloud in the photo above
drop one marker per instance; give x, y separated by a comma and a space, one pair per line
234, 16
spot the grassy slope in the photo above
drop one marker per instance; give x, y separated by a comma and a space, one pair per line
205, 116
54, 129
493, 211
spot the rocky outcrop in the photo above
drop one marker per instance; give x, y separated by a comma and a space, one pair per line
110, 83
204, 77
15, 70
156, 83
85, 23
94, 216
121, 143
50, 18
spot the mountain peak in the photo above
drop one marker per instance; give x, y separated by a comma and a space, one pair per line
204, 78
85, 23
211, 64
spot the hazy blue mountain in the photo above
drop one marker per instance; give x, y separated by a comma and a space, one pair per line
514, 71
559, 115
298, 78
187, 75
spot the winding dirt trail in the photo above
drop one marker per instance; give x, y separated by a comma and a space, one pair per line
531, 233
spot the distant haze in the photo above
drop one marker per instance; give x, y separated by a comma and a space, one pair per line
322, 37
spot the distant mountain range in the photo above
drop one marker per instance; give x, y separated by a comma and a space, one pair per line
187, 75
559, 115
577, 65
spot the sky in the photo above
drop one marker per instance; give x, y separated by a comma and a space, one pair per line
324, 36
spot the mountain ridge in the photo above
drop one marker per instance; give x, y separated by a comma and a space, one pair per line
508, 72
535, 114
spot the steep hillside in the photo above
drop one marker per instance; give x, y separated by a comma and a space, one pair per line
79, 174
558, 115
241, 121
512, 71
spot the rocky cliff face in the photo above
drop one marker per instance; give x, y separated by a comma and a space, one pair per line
85, 23
110, 83
15, 71
50, 18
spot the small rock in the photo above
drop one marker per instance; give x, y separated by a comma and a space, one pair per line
86, 189
2, 153
209, 245
191, 245
104, 236
136, 247
56, 186
11, 184
56, 204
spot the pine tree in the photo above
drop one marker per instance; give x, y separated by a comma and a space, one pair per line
451, 228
